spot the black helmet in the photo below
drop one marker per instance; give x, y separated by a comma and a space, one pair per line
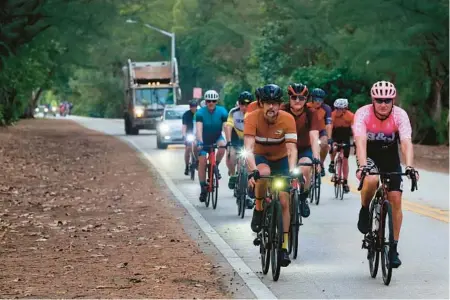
193, 103
245, 98
258, 93
271, 92
297, 89
318, 94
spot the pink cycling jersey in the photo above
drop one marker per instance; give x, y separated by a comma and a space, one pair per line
367, 124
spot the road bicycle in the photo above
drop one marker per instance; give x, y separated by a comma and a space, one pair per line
212, 175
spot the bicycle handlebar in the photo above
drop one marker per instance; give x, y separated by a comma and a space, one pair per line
388, 174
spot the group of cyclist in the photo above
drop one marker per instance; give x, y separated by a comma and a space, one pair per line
278, 136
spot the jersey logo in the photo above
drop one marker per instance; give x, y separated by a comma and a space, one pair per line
380, 136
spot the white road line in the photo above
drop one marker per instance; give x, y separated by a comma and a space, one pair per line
258, 288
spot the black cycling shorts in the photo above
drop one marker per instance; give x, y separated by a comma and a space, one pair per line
384, 164
346, 148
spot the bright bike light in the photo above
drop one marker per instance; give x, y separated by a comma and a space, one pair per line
244, 153
296, 171
190, 138
278, 184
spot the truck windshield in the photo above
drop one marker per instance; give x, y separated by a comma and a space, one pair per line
154, 96
174, 115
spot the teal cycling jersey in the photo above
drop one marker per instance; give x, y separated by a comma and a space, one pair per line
212, 123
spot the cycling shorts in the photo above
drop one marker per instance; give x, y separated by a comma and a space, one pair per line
305, 152
277, 167
205, 150
236, 141
346, 148
383, 164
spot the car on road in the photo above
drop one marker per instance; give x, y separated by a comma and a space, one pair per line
169, 129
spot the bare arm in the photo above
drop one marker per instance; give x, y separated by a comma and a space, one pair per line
314, 140
407, 151
199, 131
292, 155
329, 128
227, 129
183, 130
361, 154
249, 145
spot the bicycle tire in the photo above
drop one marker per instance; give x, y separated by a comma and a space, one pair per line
295, 223
317, 188
215, 187
243, 191
264, 246
277, 239
312, 185
192, 167
373, 255
208, 198
386, 267
336, 187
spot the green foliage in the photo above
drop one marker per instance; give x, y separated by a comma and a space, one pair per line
231, 90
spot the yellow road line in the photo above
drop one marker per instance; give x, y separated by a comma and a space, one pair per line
432, 212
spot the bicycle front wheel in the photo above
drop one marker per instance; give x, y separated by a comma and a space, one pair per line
295, 224
387, 231
215, 187
277, 240
373, 255
317, 185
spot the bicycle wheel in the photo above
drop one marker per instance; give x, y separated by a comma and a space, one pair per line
277, 239
312, 186
341, 189
215, 187
295, 224
373, 255
243, 191
209, 193
192, 166
386, 224
266, 241
317, 185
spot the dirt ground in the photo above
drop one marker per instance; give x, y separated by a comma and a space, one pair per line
432, 158
82, 217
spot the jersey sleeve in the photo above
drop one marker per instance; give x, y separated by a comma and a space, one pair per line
224, 115
230, 120
250, 124
199, 116
328, 119
359, 122
290, 129
403, 124
315, 121
185, 119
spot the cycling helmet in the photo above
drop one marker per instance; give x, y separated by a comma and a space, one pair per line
341, 103
211, 95
383, 89
271, 92
193, 103
245, 98
297, 89
258, 93
318, 94
202, 103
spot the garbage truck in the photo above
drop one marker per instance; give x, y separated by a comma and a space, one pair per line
149, 87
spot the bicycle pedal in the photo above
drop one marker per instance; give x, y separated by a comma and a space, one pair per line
257, 241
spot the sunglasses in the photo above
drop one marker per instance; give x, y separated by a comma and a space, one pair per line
299, 98
387, 101
211, 101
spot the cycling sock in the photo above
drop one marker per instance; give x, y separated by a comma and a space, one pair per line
345, 181
285, 240
202, 184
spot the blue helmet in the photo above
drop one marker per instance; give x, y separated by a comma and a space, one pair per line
318, 94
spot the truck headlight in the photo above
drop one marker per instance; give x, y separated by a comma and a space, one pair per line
46, 109
139, 112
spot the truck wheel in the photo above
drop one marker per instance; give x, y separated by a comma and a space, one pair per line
160, 144
127, 126
134, 131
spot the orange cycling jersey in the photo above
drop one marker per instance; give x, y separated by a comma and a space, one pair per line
342, 125
270, 139
252, 107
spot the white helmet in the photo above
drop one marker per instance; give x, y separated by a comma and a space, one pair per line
211, 95
383, 89
341, 103
202, 103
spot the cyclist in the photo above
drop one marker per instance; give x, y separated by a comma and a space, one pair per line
210, 121
377, 129
236, 137
342, 131
188, 128
254, 105
317, 97
308, 126
270, 138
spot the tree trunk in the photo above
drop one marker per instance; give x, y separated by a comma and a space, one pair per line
437, 103
29, 111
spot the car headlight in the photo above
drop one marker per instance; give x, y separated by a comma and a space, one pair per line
139, 112
163, 128
53, 108
190, 138
36, 110
278, 184
46, 109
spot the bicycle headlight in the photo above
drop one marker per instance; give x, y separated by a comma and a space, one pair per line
278, 184
296, 171
190, 138
244, 153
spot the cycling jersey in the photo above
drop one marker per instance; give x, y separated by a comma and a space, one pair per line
270, 139
307, 121
323, 110
188, 120
212, 123
236, 121
342, 126
252, 107
382, 138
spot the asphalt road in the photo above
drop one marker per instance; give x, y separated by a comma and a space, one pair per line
331, 263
